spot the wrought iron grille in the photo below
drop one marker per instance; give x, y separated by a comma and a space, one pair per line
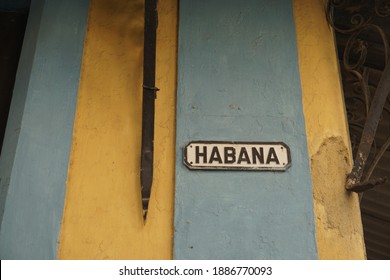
362, 30
366, 74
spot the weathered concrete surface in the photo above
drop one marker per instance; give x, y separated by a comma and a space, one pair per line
238, 80
37, 143
338, 224
103, 211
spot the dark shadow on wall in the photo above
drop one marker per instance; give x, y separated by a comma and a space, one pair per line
12, 28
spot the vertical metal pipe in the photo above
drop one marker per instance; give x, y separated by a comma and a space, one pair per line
148, 106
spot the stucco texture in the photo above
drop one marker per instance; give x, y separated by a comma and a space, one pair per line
37, 143
339, 232
238, 80
103, 212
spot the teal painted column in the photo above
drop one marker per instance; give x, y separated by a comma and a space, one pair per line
238, 80
34, 163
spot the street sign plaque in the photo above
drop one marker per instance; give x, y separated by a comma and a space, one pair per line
222, 155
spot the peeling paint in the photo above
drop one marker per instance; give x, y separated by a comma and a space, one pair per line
338, 220
339, 231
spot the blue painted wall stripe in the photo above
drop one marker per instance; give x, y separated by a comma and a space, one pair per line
18, 100
34, 170
238, 80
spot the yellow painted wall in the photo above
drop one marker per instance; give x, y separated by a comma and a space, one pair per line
338, 223
103, 213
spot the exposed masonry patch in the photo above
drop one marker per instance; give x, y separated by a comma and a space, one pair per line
337, 211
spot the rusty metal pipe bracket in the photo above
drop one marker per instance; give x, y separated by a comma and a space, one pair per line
366, 185
370, 127
363, 16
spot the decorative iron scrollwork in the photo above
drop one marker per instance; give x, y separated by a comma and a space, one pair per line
358, 21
